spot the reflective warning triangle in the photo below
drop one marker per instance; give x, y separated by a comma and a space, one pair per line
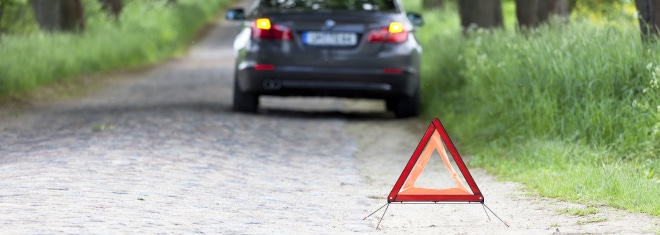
435, 139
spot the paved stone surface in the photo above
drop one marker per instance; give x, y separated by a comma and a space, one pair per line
161, 152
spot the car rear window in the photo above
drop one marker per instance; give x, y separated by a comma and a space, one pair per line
319, 5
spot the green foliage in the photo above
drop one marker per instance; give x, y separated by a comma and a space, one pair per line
16, 17
572, 111
147, 31
579, 211
603, 9
592, 220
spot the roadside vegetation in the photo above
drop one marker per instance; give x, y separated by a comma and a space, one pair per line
570, 110
145, 32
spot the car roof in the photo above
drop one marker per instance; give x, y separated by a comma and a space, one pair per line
326, 5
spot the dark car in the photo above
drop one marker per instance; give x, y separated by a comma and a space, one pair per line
339, 48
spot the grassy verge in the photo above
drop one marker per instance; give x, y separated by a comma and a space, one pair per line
146, 32
572, 111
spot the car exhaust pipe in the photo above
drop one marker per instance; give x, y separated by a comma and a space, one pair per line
272, 84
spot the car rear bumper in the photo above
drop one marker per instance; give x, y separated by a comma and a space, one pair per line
315, 81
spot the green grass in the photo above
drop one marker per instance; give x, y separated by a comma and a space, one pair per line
579, 211
592, 220
571, 111
147, 32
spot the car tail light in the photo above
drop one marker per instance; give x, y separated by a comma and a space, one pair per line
395, 33
395, 27
392, 70
264, 67
262, 28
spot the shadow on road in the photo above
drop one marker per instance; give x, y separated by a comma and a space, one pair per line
119, 109
330, 114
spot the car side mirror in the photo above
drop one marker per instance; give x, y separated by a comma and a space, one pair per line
235, 14
416, 19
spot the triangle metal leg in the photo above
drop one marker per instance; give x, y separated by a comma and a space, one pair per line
484, 206
381, 218
491, 211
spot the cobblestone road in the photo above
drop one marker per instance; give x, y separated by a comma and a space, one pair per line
158, 151
161, 152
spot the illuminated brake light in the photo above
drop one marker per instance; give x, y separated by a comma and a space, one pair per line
264, 67
394, 33
263, 23
263, 29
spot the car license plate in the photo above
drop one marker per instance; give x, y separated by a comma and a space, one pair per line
329, 39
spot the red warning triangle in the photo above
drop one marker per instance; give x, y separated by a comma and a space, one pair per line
435, 139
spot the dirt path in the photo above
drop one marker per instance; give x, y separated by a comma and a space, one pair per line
385, 148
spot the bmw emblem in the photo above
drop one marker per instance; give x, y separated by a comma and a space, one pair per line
329, 23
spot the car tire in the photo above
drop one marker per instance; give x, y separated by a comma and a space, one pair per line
244, 101
407, 106
390, 104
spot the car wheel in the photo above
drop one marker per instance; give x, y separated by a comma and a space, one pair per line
244, 101
407, 106
390, 104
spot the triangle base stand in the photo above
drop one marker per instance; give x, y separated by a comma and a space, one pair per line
387, 205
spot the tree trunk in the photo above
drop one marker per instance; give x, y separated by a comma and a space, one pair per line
433, 4
2, 9
72, 15
649, 18
47, 14
480, 14
527, 13
3, 5
65, 15
532, 13
558, 8
113, 7
542, 12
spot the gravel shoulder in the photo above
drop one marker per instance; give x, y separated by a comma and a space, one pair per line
385, 148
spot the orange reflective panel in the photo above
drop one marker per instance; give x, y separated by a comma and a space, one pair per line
435, 144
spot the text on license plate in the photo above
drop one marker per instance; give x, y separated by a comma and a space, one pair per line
329, 39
